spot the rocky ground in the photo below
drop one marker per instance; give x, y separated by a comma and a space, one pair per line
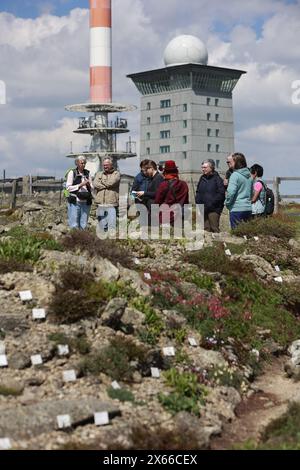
205, 394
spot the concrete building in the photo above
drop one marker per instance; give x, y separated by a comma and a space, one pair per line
186, 109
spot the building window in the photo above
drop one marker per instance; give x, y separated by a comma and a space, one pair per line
207, 101
184, 155
217, 163
184, 139
165, 103
217, 132
185, 108
148, 151
148, 105
148, 120
208, 132
148, 136
165, 149
208, 147
217, 102
217, 117
217, 148
208, 116
165, 118
185, 124
165, 134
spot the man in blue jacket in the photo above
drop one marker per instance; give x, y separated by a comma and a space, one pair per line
211, 193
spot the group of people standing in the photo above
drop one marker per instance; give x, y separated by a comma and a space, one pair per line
242, 191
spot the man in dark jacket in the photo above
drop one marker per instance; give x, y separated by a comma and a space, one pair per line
211, 193
141, 180
155, 179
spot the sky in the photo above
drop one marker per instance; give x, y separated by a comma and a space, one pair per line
44, 64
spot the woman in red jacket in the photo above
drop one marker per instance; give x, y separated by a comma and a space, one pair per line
172, 191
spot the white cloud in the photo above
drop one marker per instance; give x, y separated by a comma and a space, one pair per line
45, 65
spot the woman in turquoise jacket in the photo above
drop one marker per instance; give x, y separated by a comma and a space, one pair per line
239, 191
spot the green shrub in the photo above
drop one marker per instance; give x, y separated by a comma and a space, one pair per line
226, 376
120, 394
188, 393
154, 324
279, 226
79, 343
118, 360
202, 281
9, 391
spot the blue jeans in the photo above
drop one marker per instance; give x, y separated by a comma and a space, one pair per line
107, 218
78, 215
238, 217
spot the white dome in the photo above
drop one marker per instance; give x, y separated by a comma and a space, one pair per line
185, 50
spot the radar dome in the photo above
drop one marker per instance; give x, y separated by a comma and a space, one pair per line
185, 50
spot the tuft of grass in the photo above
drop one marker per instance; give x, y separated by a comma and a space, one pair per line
9, 391
279, 226
154, 323
110, 249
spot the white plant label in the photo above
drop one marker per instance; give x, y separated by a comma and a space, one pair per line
192, 342
256, 239
63, 421
169, 351
38, 313
245, 237
5, 444
115, 385
277, 268
69, 375
63, 349
278, 279
228, 252
155, 372
136, 261
147, 276
2, 347
25, 295
3, 361
36, 360
101, 419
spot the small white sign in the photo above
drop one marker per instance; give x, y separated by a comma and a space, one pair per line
25, 295
36, 360
63, 421
2, 347
155, 372
115, 385
228, 252
5, 444
136, 261
63, 349
192, 342
38, 313
169, 351
3, 361
213, 235
101, 419
245, 237
278, 279
69, 375
147, 276
277, 268
256, 239
225, 245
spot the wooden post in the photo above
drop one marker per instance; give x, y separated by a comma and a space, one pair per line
276, 183
26, 186
14, 194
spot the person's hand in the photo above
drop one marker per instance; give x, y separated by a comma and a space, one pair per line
140, 193
83, 183
225, 182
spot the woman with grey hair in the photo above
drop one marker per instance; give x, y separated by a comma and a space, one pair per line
211, 193
79, 184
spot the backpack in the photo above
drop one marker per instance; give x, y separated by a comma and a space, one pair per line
66, 193
269, 201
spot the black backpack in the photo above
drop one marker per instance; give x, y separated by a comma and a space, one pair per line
269, 201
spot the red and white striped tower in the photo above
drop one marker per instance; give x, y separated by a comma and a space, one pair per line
100, 51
